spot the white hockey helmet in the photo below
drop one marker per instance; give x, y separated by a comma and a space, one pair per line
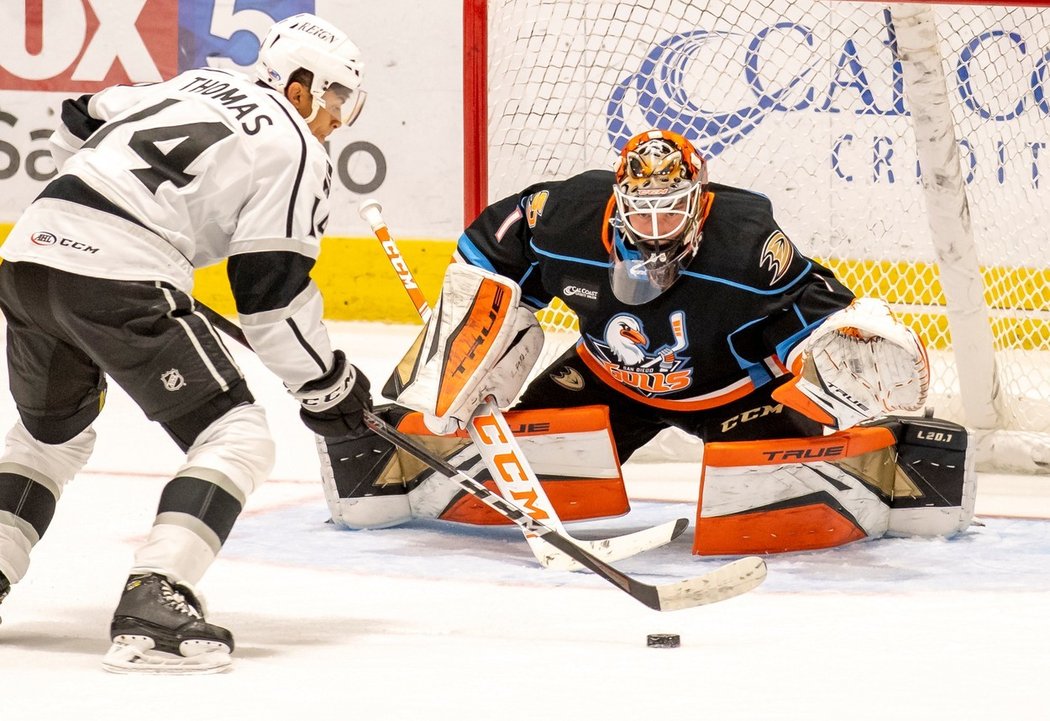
661, 204
309, 42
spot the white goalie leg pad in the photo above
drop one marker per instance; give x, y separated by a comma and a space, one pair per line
860, 364
570, 448
896, 476
782, 495
939, 488
363, 484
359, 514
478, 343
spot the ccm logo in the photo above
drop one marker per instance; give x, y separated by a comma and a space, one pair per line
45, 238
805, 454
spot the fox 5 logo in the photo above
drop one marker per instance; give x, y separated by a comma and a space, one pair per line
223, 34
86, 45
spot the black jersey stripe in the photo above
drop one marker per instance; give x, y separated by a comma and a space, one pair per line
299, 172
74, 190
306, 345
112, 125
267, 280
77, 119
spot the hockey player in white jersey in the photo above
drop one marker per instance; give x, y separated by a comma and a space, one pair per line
155, 181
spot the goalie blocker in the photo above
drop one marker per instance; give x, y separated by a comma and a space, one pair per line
895, 476
478, 344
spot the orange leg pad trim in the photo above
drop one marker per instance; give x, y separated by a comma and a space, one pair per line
576, 499
803, 528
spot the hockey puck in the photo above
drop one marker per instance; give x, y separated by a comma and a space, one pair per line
663, 640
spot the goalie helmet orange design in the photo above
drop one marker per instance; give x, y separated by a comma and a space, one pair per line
661, 202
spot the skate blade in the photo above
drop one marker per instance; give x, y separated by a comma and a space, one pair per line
136, 655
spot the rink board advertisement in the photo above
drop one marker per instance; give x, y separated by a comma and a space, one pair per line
406, 149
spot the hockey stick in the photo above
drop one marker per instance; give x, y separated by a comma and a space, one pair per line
720, 584
502, 454
732, 579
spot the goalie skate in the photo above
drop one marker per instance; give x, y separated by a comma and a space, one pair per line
159, 627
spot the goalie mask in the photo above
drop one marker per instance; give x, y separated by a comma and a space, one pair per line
306, 41
661, 202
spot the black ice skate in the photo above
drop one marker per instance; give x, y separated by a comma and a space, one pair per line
159, 627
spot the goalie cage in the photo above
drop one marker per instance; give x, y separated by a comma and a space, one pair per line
830, 108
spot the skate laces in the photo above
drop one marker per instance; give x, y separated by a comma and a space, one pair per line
177, 600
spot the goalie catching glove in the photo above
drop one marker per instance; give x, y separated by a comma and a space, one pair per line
862, 363
333, 405
479, 343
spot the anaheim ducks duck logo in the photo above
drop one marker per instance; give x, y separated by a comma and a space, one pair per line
777, 254
625, 355
534, 207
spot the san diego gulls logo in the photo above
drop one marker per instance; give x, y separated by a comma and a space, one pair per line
624, 353
777, 254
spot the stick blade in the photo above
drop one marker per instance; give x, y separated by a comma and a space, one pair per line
616, 548
728, 581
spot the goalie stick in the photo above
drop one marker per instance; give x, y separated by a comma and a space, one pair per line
609, 549
732, 579
502, 453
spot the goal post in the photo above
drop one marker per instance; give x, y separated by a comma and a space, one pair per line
904, 145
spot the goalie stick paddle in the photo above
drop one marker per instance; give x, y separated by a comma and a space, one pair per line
725, 582
732, 579
500, 451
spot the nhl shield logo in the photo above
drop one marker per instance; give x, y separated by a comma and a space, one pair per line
172, 380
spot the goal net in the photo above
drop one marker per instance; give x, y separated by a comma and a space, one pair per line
903, 145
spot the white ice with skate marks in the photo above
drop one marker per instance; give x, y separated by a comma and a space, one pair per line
451, 622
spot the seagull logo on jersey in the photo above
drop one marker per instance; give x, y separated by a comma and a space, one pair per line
172, 380
624, 353
534, 207
777, 254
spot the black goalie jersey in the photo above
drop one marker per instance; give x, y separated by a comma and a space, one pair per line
723, 329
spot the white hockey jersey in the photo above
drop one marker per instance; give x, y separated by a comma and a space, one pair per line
157, 180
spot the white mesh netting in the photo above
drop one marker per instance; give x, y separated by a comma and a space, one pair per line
805, 102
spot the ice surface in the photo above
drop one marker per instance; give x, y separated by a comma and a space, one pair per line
433, 621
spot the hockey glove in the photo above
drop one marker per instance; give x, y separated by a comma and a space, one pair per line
333, 405
861, 363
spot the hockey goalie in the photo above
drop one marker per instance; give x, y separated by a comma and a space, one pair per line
478, 347
696, 311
